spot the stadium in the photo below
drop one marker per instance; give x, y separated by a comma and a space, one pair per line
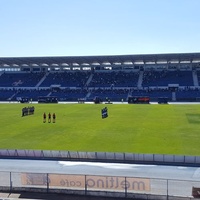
113, 78
134, 129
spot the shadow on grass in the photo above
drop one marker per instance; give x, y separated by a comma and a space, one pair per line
193, 118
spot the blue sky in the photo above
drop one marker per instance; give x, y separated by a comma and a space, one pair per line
98, 27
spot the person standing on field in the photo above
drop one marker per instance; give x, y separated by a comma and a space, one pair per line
54, 117
49, 117
44, 117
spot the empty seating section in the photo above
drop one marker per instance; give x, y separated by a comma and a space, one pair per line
70, 94
66, 79
188, 93
20, 79
6, 94
112, 94
115, 79
163, 78
152, 93
32, 93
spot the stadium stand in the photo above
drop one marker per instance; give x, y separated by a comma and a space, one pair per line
113, 78
66, 79
20, 79
31, 93
70, 94
163, 78
110, 94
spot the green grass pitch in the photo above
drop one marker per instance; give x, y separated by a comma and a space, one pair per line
152, 128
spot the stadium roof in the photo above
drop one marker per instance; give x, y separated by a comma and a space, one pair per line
180, 57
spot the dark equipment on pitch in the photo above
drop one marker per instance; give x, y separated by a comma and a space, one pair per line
104, 113
47, 99
23, 99
162, 100
97, 100
138, 100
108, 101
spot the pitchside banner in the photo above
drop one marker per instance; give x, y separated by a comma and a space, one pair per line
80, 182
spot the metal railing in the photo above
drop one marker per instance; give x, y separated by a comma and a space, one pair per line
115, 186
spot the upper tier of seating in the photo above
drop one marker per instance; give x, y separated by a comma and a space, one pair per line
98, 79
20, 79
66, 79
163, 78
114, 79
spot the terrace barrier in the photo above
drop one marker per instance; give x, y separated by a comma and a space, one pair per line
102, 157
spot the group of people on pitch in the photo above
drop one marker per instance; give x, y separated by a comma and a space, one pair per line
49, 117
28, 111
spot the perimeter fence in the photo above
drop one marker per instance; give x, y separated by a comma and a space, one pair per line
109, 186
